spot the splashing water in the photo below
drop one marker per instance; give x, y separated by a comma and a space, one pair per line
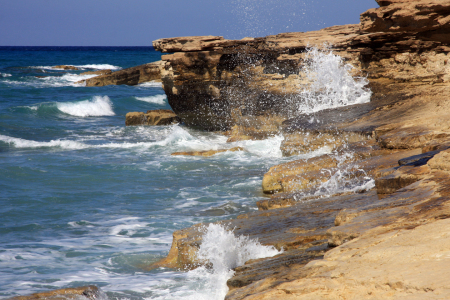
223, 251
332, 85
98, 106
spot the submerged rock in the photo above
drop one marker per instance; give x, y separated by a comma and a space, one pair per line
85, 292
64, 67
152, 117
208, 153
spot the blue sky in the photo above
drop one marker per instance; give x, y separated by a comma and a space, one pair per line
139, 22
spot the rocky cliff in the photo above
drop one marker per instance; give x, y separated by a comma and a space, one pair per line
386, 242
129, 76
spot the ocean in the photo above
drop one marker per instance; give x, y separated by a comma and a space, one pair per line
86, 200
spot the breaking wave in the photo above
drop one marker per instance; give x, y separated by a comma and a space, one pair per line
223, 251
81, 67
332, 85
5, 75
98, 106
151, 84
156, 99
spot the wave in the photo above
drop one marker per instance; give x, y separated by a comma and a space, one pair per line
98, 106
52, 81
151, 84
81, 67
22, 143
5, 75
157, 99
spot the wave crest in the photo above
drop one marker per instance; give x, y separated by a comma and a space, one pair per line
98, 106
156, 99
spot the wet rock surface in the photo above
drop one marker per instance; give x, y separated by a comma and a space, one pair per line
79, 293
129, 76
208, 153
386, 240
151, 117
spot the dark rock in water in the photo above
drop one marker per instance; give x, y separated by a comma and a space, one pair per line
130, 76
417, 160
152, 117
64, 67
85, 292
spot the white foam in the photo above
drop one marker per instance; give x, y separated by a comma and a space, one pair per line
156, 99
82, 67
22, 143
5, 75
151, 84
98, 106
332, 85
224, 251
98, 67
269, 147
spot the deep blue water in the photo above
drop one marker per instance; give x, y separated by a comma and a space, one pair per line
86, 200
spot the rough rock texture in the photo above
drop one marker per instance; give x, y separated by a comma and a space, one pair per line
64, 67
152, 117
208, 153
390, 242
79, 293
130, 76
99, 72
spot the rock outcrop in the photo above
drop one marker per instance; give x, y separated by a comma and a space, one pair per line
129, 76
79, 293
208, 153
385, 242
152, 117
64, 67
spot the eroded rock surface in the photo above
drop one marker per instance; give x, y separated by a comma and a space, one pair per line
129, 76
389, 242
152, 117
86, 292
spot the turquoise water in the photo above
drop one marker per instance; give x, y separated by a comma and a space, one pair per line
86, 200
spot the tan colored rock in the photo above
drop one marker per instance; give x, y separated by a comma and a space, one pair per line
152, 117
99, 72
86, 292
271, 180
407, 15
129, 76
64, 67
208, 152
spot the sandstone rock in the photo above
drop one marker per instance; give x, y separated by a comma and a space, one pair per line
64, 67
99, 72
86, 292
130, 76
152, 117
407, 15
208, 152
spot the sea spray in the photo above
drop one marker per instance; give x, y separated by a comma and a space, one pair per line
222, 251
98, 106
332, 85
156, 99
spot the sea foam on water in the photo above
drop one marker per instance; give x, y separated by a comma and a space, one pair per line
98, 106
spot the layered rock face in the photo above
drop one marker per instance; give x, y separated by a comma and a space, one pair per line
130, 76
389, 241
214, 83
152, 117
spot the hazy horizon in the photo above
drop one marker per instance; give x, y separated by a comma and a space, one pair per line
139, 22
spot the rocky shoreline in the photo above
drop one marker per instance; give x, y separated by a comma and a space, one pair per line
389, 241
388, 238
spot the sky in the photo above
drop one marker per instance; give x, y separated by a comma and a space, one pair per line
139, 22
